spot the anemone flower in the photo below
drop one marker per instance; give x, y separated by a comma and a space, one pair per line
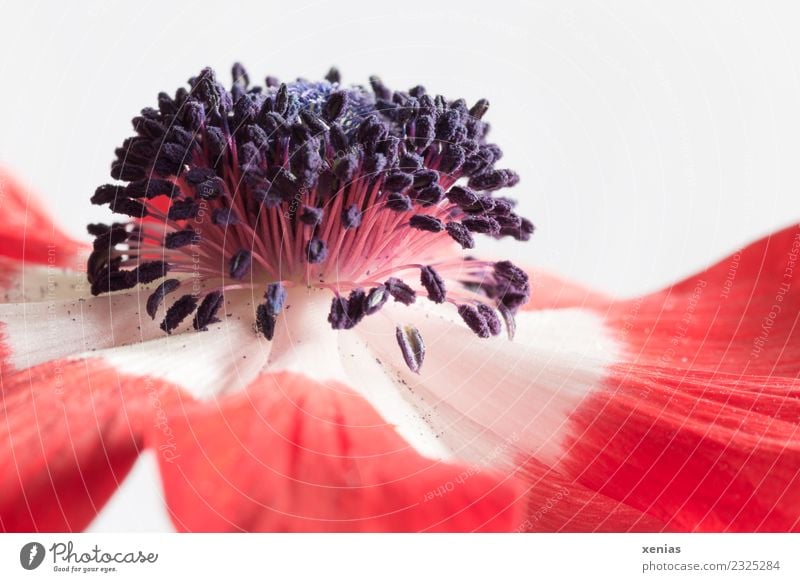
289, 315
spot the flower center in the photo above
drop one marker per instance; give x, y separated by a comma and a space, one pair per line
371, 195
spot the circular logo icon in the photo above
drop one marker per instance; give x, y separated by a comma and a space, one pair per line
31, 555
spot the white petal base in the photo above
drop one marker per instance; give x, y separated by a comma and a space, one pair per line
224, 359
304, 343
491, 398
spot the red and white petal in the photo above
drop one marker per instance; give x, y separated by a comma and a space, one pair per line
27, 232
482, 394
699, 423
296, 454
32, 283
69, 432
558, 503
38, 331
683, 404
225, 358
72, 428
506, 404
304, 343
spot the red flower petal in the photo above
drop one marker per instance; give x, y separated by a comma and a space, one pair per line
27, 233
292, 454
557, 503
701, 426
69, 433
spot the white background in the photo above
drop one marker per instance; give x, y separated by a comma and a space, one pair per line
651, 137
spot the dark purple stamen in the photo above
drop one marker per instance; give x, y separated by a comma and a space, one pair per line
181, 238
151, 271
347, 313
311, 216
426, 223
265, 321
474, 320
351, 217
424, 178
240, 263
225, 217
399, 202
197, 176
334, 105
210, 189
333, 75
400, 291
128, 207
106, 194
461, 234
148, 188
482, 224
411, 346
316, 251
97, 229
396, 181
462, 197
430, 195
111, 237
453, 158
178, 311
511, 286
376, 298
490, 316
108, 280
356, 307
157, 296
337, 316
267, 196
483, 205
345, 167
433, 283
493, 180
276, 298
183, 210
206, 313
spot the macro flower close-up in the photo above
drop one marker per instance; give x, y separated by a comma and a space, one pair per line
290, 308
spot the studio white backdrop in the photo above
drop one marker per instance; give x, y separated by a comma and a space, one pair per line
652, 137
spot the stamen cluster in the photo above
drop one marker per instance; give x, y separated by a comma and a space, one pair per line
311, 184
